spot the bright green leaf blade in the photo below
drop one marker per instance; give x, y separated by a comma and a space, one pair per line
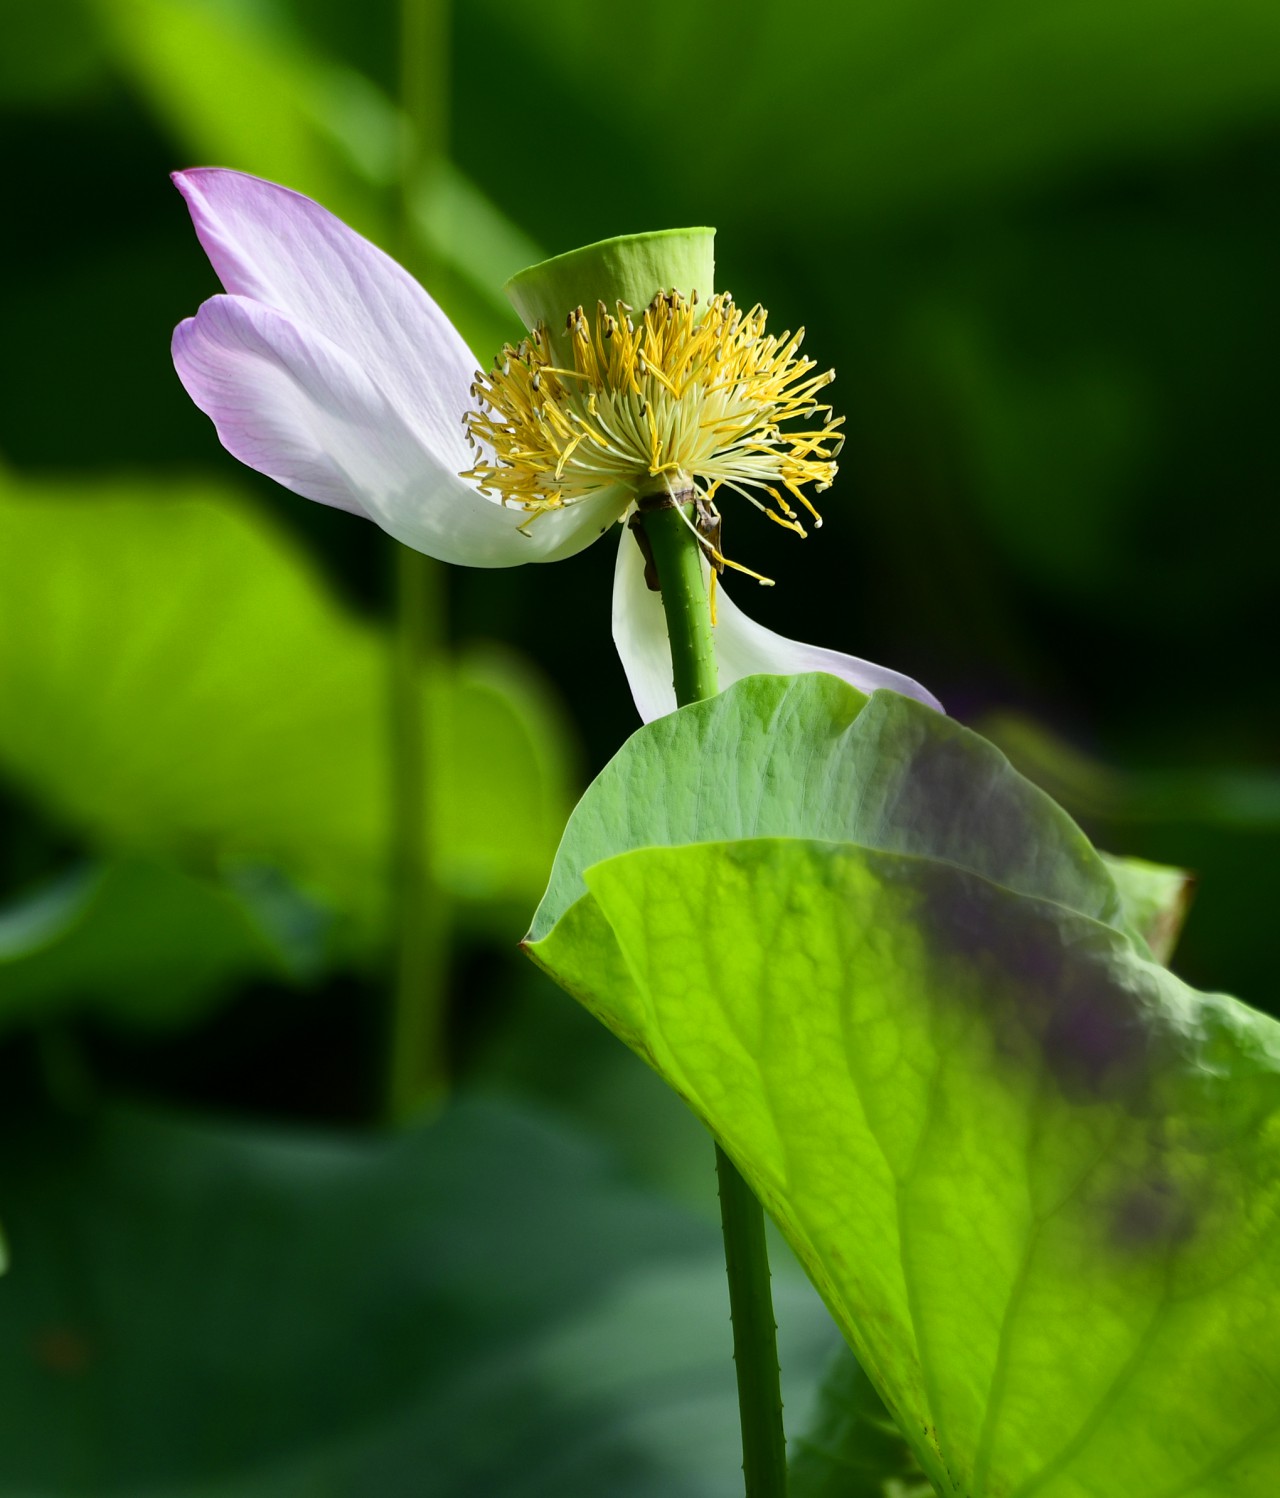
482, 1307
149, 944
808, 756
1032, 1173
1156, 899
176, 680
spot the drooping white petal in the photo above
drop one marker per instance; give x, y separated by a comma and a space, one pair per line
640, 633
293, 405
279, 248
743, 647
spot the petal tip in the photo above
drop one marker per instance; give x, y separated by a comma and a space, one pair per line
206, 185
186, 179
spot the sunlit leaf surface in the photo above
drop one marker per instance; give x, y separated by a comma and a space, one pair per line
882, 772
1033, 1174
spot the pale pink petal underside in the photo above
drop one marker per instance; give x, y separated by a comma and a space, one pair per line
277, 247
743, 647
294, 406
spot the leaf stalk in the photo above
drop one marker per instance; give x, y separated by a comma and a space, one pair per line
676, 554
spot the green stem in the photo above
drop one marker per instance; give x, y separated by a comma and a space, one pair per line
424, 99
678, 562
755, 1334
414, 1072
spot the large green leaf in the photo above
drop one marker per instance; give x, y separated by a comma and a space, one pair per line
1156, 899
1032, 1173
1221, 817
478, 1308
818, 759
175, 680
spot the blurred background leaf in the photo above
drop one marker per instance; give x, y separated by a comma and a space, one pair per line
479, 1307
145, 942
233, 712
852, 1448
243, 87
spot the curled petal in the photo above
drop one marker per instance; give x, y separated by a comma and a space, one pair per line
276, 247
743, 648
292, 404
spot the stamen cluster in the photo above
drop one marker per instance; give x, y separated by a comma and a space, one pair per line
682, 399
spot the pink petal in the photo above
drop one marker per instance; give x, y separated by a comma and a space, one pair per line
279, 248
743, 648
293, 405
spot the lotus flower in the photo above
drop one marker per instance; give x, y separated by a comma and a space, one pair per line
328, 368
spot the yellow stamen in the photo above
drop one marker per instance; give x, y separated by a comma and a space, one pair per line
700, 394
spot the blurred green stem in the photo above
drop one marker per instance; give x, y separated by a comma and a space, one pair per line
415, 1069
677, 561
415, 1072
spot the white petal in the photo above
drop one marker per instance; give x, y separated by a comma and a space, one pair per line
743, 648
288, 402
287, 252
640, 633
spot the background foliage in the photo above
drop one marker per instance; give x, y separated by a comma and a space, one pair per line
1038, 245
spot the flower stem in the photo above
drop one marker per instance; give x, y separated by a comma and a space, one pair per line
414, 1072
678, 562
755, 1334
677, 559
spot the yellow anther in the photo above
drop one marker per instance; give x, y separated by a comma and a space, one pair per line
695, 390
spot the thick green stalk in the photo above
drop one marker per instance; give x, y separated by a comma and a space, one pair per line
413, 1067
678, 564
755, 1334
677, 561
